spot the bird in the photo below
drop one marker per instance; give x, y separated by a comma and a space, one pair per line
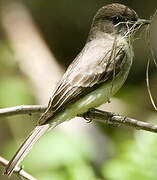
94, 76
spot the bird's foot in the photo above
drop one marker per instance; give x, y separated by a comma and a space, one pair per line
86, 115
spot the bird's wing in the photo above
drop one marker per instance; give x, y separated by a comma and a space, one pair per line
93, 66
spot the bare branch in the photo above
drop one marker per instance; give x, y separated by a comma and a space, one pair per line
19, 171
22, 109
92, 114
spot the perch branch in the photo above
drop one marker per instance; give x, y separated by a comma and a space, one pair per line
92, 114
115, 119
22, 109
19, 171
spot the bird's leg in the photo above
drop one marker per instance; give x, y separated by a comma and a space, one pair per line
86, 115
99, 115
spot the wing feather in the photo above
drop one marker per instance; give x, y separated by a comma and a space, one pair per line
93, 66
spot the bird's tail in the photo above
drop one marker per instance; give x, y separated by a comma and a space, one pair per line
26, 147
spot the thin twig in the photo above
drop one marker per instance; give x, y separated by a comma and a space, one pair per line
150, 52
19, 171
148, 86
93, 114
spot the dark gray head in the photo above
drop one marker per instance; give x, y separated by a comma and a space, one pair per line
116, 18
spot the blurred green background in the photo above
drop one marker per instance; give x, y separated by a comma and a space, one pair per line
81, 151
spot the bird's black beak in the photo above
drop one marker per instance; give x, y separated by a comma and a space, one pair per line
143, 22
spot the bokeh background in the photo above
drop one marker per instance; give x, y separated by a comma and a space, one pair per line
38, 40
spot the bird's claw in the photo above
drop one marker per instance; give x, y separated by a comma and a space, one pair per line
87, 117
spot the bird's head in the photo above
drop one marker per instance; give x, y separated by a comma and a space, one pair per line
117, 18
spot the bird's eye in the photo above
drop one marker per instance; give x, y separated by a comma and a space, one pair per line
117, 19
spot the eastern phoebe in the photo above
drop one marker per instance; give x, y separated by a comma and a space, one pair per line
94, 76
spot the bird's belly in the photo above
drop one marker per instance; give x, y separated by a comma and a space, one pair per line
96, 97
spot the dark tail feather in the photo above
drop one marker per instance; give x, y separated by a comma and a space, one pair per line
26, 147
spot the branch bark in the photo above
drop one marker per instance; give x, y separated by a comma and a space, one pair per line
19, 171
22, 109
92, 114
